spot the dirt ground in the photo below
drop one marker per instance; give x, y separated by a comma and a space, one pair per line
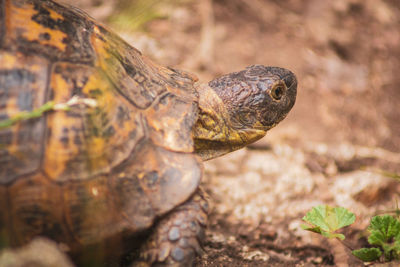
344, 127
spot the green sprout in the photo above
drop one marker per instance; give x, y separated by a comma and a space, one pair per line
48, 106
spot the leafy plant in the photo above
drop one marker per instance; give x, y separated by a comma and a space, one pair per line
326, 220
384, 231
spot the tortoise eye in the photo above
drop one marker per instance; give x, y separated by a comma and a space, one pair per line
277, 92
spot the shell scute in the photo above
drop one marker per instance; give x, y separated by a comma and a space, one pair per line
34, 208
130, 199
125, 68
47, 29
81, 199
84, 141
23, 87
173, 131
156, 181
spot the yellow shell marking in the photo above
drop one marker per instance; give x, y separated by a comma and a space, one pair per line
8, 61
56, 154
22, 23
54, 15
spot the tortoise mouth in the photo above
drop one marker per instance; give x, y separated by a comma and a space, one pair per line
268, 126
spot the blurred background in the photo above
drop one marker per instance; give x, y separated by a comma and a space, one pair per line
342, 133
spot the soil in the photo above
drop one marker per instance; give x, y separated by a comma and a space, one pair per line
331, 149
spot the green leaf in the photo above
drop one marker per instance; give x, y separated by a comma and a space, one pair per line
383, 229
396, 250
311, 229
367, 254
396, 245
325, 220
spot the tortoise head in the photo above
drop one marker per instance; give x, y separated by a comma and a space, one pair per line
238, 108
258, 97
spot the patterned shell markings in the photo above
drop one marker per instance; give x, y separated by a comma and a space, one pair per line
91, 172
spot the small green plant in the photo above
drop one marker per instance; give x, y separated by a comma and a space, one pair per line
389, 174
133, 15
384, 231
385, 173
48, 106
326, 220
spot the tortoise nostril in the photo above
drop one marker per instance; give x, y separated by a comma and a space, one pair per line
290, 80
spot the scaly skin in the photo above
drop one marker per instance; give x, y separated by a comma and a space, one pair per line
177, 238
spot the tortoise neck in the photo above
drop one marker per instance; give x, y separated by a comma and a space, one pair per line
214, 133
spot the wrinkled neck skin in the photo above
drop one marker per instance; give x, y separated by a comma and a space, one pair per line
214, 134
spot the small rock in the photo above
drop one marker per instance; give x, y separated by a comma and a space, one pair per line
41, 252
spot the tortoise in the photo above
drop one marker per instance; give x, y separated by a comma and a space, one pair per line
122, 175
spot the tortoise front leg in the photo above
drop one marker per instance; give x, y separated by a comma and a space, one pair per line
177, 238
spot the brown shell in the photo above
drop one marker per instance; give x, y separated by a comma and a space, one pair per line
84, 175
